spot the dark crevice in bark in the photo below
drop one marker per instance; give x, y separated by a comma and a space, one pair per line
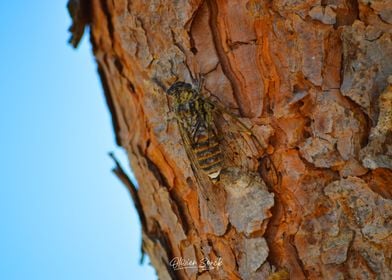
189, 22
236, 44
209, 72
184, 51
190, 25
346, 16
382, 20
355, 107
176, 204
268, 172
226, 68
156, 172
363, 117
177, 44
110, 27
182, 212
298, 259
131, 87
120, 67
277, 215
231, 231
378, 181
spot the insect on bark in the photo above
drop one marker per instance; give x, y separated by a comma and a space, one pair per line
197, 128
203, 141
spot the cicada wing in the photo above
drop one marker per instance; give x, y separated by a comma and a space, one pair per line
211, 197
239, 125
238, 149
237, 142
202, 179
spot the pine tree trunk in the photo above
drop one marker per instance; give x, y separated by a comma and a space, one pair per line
310, 78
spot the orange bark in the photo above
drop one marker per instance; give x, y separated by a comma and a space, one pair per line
310, 78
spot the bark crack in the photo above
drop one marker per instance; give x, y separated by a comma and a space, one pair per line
226, 68
105, 9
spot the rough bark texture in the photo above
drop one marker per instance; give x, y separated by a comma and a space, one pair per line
311, 78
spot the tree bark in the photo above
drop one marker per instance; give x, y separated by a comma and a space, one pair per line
310, 78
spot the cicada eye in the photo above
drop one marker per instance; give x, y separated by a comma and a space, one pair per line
178, 87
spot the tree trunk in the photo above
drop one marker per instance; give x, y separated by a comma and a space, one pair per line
311, 80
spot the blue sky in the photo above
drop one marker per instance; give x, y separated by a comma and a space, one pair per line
63, 214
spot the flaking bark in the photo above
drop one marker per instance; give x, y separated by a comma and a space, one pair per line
310, 78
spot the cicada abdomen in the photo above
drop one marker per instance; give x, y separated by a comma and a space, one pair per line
197, 128
208, 154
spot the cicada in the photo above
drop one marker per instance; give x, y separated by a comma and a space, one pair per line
197, 128
197, 119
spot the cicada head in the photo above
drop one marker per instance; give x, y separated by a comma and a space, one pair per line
179, 87
183, 92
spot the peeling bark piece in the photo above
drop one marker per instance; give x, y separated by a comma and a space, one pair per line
312, 58
337, 124
307, 243
284, 7
321, 244
366, 66
378, 153
253, 253
359, 269
335, 247
79, 11
248, 201
239, 22
371, 212
382, 7
169, 217
212, 210
337, 132
246, 69
320, 152
352, 168
369, 260
293, 129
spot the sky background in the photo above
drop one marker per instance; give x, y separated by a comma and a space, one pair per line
63, 214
